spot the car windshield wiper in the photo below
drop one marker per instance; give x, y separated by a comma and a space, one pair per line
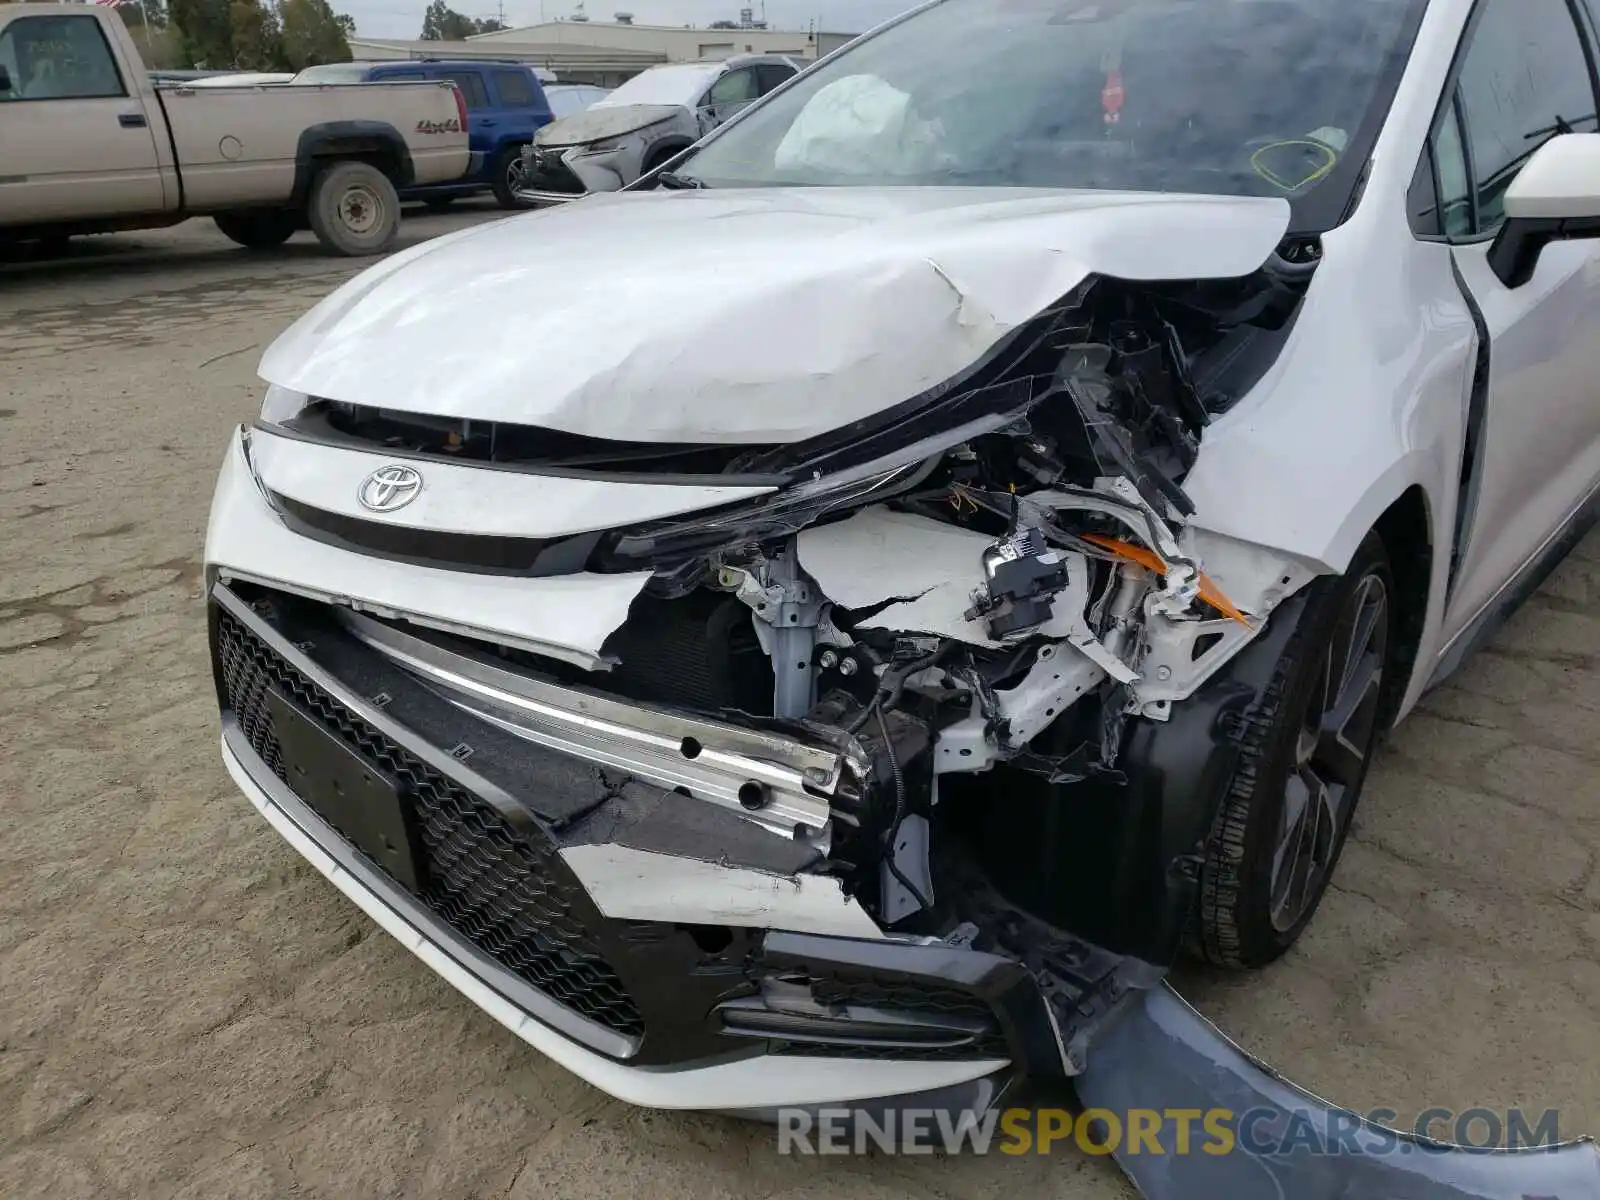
675, 180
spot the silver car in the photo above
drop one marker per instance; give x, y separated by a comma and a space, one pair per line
949, 546
643, 124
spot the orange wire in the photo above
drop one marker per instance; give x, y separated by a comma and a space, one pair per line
1147, 558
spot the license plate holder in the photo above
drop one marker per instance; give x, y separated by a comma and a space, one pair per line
368, 806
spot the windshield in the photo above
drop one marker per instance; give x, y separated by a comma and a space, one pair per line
1223, 97
567, 99
665, 85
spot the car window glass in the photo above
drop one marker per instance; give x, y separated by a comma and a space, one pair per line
58, 58
514, 88
1525, 79
1450, 171
734, 87
471, 85
772, 76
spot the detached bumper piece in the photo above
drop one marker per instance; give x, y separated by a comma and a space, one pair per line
1165, 1056
459, 826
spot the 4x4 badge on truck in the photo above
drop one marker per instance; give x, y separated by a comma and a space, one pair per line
389, 488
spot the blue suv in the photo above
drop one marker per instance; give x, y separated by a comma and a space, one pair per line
505, 105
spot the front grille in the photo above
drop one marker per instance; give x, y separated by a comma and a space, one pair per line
497, 888
550, 173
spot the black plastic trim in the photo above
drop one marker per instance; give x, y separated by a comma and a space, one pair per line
321, 434
1472, 446
1514, 255
481, 554
1003, 984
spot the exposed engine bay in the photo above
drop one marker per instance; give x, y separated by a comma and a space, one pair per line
991, 580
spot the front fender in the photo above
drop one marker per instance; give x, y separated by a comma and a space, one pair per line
1163, 1055
1368, 399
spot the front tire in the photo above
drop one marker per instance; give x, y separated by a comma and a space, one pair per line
1303, 762
506, 177
353, 209
265, 230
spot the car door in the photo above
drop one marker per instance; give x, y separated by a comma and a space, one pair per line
1533, 445
729, 95
78, 144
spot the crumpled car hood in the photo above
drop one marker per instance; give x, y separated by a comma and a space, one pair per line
748, 316
597, 124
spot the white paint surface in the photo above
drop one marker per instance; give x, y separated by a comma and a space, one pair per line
643, 886
739, 316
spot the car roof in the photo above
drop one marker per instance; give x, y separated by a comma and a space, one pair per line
748, 60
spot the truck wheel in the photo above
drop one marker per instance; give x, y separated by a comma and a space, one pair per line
257, 230
353, 209
1302, 763
506, 177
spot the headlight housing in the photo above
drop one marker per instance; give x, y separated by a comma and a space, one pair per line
281, 405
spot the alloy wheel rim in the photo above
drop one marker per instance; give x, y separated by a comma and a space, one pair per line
1330, 753
516, 171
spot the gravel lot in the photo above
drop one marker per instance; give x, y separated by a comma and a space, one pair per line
187, 1010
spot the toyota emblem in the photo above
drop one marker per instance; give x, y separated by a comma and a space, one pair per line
389, 488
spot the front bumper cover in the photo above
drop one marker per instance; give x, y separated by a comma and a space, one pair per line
1157, 1054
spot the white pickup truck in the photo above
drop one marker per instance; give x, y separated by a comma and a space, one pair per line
89, 145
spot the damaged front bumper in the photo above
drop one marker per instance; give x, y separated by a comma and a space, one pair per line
578, 908
625, 929
561, 174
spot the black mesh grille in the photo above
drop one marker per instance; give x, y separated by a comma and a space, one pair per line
495, 887
550, 173
910, 996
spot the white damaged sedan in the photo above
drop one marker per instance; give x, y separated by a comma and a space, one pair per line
946, 548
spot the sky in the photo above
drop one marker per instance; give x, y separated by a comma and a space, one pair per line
403, 18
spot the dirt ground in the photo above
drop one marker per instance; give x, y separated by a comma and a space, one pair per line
188, 1010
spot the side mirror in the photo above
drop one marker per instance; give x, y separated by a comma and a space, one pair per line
5, 80
1555, 197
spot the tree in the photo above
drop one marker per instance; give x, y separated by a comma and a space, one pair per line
205, 31
257, 36
312, 34
146, 12
441, 23
156, 41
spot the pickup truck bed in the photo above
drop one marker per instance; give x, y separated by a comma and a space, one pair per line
92, 146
